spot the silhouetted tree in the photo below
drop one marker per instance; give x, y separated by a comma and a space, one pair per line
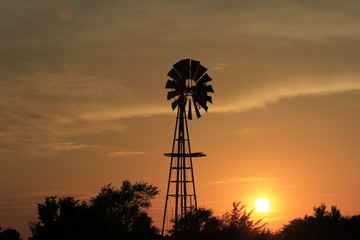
59, 219
354, 226
112, 214
198, 224
122, 212
235, 224
329, 225
9, 234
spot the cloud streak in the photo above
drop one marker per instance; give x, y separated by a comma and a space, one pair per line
245, 100
327, 195
68, 146
301, 87
124, 153
243, 180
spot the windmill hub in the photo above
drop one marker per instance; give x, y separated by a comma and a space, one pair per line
189, 87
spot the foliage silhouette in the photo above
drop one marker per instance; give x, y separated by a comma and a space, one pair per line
198, 224
234, 224
112, 214
122, 214
237, 224
9, 234
327, 225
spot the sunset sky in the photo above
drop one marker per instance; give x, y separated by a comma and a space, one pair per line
83, 103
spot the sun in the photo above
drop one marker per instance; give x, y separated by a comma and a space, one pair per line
262, 205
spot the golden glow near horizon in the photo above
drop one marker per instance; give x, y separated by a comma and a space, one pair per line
262, 205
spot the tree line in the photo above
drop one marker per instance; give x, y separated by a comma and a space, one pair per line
122, 213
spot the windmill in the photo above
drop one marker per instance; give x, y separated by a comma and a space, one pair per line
189, 90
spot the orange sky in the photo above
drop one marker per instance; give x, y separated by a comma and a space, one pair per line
83, 104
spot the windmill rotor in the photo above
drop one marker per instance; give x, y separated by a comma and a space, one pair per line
189, 87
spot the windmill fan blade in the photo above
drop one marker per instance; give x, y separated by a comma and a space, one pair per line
171, 84
172, 94
201, 70
209, 88
190, 113
208, 98
204, 107
205, 88
204, 79
197, 110
174, 75
201, 101
193, 68
205, 97
177, 102
183, 68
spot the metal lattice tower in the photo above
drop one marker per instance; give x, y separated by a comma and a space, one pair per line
189, 82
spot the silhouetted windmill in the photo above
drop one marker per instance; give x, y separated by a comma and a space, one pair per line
189, 87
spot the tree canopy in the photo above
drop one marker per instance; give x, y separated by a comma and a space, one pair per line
234, 224
9, 234
329, 225
112, 214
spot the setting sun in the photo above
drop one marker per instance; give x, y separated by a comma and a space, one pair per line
262, 205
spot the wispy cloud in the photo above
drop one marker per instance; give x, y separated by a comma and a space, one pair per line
39, 112
122, 154
218, 66
243, 180
299, 87
35, 196
122, 112
242, 101
68, 146
327, 195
